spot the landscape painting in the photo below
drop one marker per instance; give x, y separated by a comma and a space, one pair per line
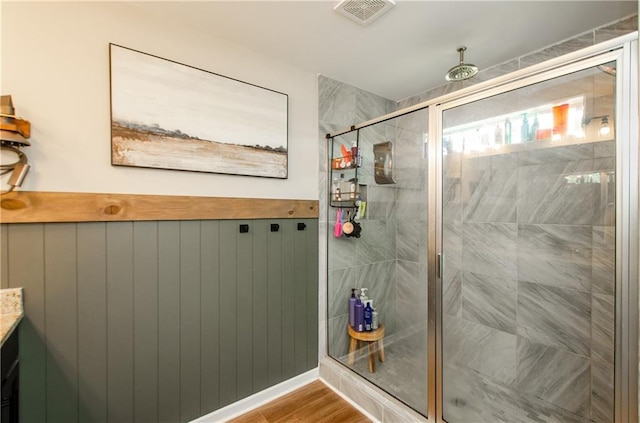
172, 116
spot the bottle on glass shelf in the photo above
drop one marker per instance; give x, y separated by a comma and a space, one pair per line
507, 131
524, 129
497, 137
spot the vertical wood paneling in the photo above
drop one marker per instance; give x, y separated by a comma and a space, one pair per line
4, 257
274, 304
159, 321
228, 312
92, 322
168, 322
312, 292
209, 307
26, 269
300, 304
189, 320
288, 300
120, 334
145, 321
61, 321
244, 315
260, 310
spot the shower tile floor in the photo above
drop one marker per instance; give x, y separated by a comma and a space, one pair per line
469, 397
403, 374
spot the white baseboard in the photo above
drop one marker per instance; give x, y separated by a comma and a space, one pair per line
260, 398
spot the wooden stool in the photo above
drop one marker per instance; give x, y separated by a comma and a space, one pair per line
371, 338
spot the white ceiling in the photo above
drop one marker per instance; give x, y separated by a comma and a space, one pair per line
406, 50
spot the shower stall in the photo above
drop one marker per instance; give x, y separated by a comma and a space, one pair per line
497, 243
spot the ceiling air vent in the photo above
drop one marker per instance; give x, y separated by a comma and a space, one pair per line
364, 11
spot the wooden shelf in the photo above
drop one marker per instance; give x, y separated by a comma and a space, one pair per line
46, 207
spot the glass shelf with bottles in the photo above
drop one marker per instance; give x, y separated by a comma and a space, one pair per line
550, 125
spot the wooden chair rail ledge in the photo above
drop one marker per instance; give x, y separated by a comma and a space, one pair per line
49, 207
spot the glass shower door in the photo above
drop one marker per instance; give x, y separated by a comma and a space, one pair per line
529, 243
388, 259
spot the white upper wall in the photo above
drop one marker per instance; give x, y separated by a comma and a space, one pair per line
55, 64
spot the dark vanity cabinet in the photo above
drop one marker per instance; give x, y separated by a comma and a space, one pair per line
10, 371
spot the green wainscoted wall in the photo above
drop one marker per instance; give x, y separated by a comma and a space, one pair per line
159, 320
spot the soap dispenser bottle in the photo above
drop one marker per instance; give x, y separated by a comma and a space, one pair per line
359, 316
352, 308
363, 295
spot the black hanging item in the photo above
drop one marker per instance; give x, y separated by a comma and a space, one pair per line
351, 228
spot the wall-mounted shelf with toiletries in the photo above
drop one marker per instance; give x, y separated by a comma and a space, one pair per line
345, 160
568, 121
347, 196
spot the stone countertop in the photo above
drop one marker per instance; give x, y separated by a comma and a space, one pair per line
11, 311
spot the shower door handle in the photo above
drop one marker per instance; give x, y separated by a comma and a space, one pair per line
439, 265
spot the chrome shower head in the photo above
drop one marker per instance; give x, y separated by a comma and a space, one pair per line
461, 71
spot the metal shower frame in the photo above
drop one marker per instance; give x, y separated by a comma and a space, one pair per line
624, 50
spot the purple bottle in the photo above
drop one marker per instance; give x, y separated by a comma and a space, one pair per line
359, 314
352, 308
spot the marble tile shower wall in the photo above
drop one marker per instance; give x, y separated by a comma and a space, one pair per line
529, 284
411, 207
390, 257
369, 261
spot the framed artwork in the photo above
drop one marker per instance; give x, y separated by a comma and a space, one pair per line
172, 116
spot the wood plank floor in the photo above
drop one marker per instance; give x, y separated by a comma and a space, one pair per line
313, 403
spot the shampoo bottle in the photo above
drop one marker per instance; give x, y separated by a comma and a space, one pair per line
352, 308
352, 189
374, 320
359, 315
368, 315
